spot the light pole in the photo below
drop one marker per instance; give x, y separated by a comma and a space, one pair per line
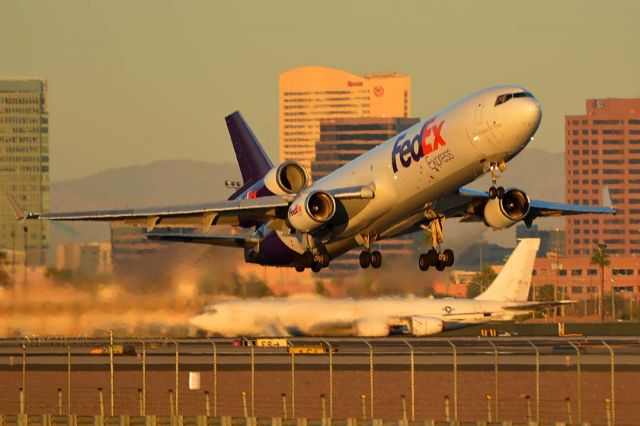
613, 298
602, 247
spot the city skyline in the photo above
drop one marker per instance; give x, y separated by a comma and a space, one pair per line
127, 81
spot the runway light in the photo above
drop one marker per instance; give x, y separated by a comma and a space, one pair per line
476, 138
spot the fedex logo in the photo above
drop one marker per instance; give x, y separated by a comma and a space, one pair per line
294, 211
420, 146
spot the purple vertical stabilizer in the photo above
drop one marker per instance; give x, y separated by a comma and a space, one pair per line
253, 161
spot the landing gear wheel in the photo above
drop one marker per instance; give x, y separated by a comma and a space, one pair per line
432, 257
365, 259
298, 263
307, 257
440, 265
316, 267
448, 257
500, 192
493, 192
376, 259
324, 260
423, 262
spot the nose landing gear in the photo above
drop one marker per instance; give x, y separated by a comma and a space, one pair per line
496, 168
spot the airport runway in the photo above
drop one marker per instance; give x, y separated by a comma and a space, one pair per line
354, 367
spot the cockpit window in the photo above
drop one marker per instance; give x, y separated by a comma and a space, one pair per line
504, 98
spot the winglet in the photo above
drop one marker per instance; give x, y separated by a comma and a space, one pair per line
606, 198
18, 211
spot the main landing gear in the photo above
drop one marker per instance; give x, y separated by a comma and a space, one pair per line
370, 258
440, 259
496, 168
433, 258
309, 260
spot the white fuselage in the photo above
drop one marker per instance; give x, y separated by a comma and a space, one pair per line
429, 160
271, 317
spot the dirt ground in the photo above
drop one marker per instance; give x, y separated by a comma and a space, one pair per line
431, 389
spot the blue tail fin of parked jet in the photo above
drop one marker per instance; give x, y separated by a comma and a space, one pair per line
253, 161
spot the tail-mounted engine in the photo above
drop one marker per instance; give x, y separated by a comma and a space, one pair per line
501, 213
311, 210
289, 177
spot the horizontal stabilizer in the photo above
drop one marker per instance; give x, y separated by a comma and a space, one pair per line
216, 240
18, 211
538, 306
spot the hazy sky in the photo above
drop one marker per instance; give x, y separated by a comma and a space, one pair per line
132, 82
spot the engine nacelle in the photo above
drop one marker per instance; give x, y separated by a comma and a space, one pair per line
288, 178
371, 328
309, 211
501, 213
424, 326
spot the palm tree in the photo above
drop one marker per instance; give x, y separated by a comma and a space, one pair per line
601, 258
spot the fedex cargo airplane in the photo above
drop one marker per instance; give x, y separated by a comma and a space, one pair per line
412, 182
505, 298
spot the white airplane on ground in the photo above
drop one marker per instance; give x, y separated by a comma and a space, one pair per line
411, 182
505, 298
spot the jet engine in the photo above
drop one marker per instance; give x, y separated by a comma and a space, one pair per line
501, 213
371, 328
309, 211
424, 326
289, 177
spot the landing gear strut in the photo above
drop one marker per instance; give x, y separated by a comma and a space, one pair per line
440, 259
496, 168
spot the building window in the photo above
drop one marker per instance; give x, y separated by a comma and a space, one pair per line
562, 272
592, 272
576, 289
576, 272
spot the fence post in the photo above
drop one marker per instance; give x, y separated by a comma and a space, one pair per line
68, 380
206, 403
293, 385
578, 370
527, 398
323, 404
371, 382
496, 394
455, 380
569, 415
244, 404
21, 396
613, 383
489, 416
144, 379
253, 381
537, 380
363, 405
404, 409
215, 379
447, 412
413, 381
172, 407
140, 404
59, 401
24, 372
330, 378
283, 397
101, 402
607, 405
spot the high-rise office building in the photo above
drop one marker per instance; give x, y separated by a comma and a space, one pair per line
24, 164
603, 149
309, 94
342, 140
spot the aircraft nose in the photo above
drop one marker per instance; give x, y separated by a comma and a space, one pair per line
530, 112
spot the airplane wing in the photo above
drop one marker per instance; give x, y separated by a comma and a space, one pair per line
465, 203
233, 212
538, 306
247, 241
